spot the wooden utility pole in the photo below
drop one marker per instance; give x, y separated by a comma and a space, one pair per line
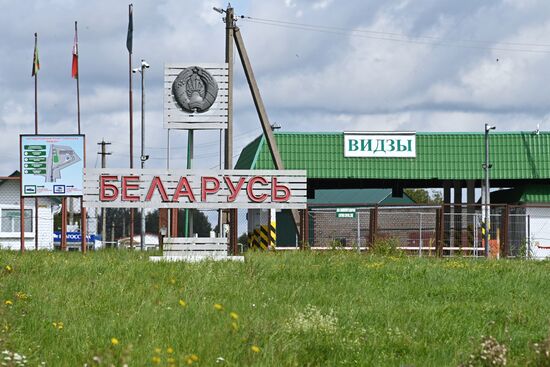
104, 155
262, 114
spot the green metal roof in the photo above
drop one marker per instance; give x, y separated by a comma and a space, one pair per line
514, 155
355, 196
522, 195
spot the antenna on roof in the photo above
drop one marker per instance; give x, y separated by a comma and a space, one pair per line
538, 129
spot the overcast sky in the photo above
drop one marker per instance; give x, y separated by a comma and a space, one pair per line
366, 65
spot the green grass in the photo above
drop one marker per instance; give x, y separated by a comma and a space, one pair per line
300, 309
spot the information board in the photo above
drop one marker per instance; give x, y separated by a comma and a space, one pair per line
52, 165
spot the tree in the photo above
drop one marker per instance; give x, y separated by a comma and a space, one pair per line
423, 196
201, 225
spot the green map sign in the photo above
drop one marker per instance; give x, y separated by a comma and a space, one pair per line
52, 165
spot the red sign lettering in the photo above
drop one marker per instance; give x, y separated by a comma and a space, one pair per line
156, 183
107, 191
250, 189
184, 189
233, 191
205, 190
276, 188
128, 183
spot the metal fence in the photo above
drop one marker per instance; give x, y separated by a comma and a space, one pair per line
443, 230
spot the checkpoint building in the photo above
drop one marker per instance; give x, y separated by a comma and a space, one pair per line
452, 162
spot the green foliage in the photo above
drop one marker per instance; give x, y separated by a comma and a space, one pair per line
423, 196
386, 246
275, 309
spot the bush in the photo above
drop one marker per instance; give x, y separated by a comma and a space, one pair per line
388, 246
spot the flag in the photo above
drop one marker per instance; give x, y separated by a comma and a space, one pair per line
74, 71
35, 60
130, 34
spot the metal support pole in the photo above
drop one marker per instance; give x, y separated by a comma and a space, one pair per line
143, 157
420, 238
169, 211
104, 155
63, 244
487, 167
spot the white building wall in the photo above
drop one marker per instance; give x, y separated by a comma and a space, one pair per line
9, 200
539, 236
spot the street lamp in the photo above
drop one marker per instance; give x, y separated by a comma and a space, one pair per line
144, 65
487, 210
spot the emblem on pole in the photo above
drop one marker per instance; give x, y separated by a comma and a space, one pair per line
194, 89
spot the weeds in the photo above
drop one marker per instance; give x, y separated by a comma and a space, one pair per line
388, 246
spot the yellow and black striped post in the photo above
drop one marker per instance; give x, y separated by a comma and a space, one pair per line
486, 237
272, 234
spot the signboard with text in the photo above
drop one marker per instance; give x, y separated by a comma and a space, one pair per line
200, 189
51, 165
345, 212
383, 144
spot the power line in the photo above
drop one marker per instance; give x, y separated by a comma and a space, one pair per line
402, 38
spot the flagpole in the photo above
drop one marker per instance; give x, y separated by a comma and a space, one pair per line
76, 75
129, 41
77, 78
35, 133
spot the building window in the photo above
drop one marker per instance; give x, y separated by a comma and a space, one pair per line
11, 220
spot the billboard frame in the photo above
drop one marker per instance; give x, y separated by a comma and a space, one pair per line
83, 157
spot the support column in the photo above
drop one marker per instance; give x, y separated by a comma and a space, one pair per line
457, 213
470, 201
446, 217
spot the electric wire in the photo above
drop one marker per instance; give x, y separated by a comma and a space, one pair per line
402, 38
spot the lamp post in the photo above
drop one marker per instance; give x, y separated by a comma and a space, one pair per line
144, 65
487, 209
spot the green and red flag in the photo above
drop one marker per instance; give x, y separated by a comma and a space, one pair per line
35, 61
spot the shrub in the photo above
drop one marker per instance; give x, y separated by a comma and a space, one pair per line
388, 246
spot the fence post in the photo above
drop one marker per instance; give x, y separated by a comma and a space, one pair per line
441, 231
358, 232
505, 246
373, 224
304, 228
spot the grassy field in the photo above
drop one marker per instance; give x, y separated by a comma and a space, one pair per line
275, 309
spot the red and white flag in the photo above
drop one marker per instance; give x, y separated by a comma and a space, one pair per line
74, 72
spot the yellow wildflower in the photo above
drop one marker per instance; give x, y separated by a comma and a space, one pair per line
21, 295
172, 281
114, 341
171, 360
194, 357
8, 302
235, 326
170, 350
234, 315
182, 303
218, 307
255, 349
8, 268
156, 359
158, 350
59, 325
